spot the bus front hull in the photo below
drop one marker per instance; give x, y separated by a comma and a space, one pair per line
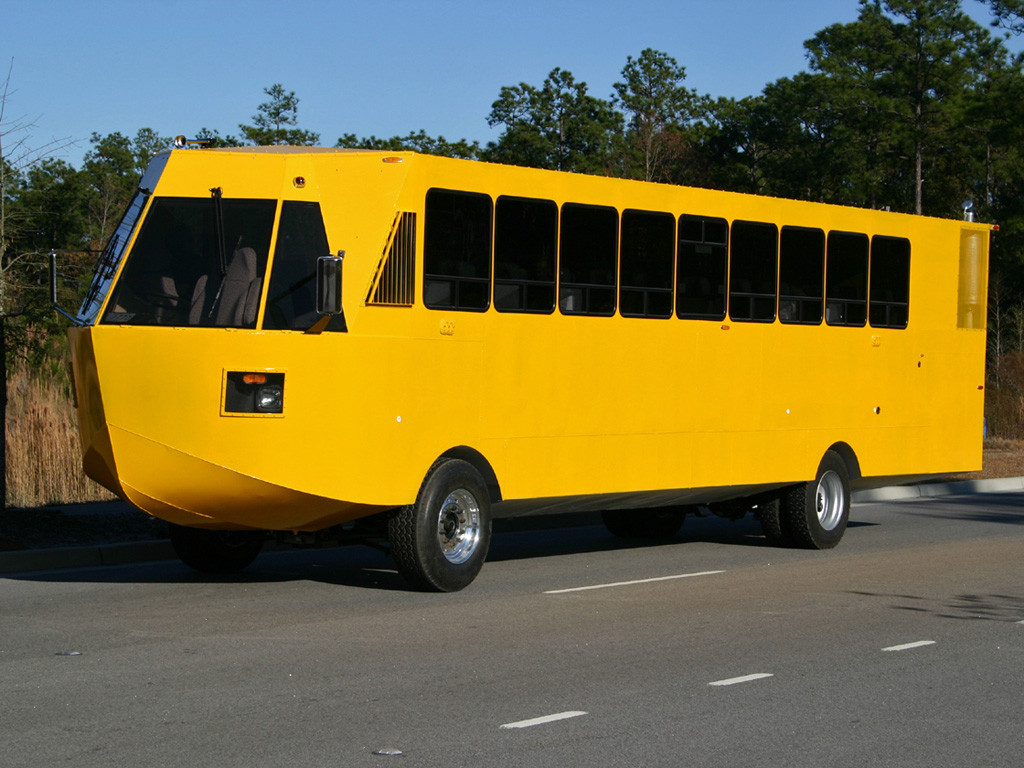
178, 485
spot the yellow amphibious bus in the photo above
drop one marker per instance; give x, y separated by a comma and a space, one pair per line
288, 340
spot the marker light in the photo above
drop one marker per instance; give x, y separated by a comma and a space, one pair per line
253, 392
392, 160
299, 182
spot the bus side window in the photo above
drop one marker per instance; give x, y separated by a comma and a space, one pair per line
645, 269
588, 259
846, 279
889, 297
753, 260
703, 268
457, 250
801, 275
525, 245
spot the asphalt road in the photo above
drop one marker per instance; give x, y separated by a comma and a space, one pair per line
902, 647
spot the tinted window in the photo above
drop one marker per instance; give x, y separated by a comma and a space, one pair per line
890, 282
846, 279
645, 268
301, 240
110, 260
703, 264
753, 255
191, 266
457, 250
525, 247
801, 275
587, 259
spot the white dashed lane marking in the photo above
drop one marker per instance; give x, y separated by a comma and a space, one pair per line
743, 679
909, 646
543, 720
631, 583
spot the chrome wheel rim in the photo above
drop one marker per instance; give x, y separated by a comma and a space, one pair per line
458, 526
829, 500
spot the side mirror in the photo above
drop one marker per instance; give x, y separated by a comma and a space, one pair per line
328, 284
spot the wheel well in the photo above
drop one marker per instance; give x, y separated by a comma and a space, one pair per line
849, 458
480, 464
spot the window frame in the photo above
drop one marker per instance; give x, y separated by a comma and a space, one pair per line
480, 249
834, 302
804, 300
902, 296
524, 284
627, 251
759, 299
717, 253
589, 292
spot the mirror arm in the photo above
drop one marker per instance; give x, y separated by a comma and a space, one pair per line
53, 290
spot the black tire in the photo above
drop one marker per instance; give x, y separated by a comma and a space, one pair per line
769, 513
440, 542
814, 515
658, 524
209, 551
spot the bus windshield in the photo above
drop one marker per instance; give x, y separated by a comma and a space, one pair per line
110, 259
197, 261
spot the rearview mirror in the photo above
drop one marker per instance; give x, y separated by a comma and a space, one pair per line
328, 284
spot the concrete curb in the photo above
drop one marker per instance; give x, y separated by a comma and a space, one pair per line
128, 553
956, 488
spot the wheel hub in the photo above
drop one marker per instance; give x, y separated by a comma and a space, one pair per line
829, 500
458, 526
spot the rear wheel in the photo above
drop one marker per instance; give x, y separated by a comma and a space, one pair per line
210, 551
644, 523
814, 515
440, 542
770, 514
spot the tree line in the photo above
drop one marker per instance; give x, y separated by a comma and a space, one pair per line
913, 107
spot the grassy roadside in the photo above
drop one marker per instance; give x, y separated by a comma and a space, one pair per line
44, 460
1002, 458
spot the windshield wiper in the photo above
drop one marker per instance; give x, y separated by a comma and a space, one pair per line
218, 218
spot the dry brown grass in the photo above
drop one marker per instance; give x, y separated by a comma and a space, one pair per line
44, 460
1003, 458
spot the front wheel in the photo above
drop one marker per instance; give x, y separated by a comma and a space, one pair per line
210, 551
440, 542
814, 515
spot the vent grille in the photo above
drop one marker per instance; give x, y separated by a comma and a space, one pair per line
394, 284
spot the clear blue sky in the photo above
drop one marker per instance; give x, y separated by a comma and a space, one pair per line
382, 67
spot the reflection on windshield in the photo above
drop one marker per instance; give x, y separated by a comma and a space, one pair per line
179, 274
110, 259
